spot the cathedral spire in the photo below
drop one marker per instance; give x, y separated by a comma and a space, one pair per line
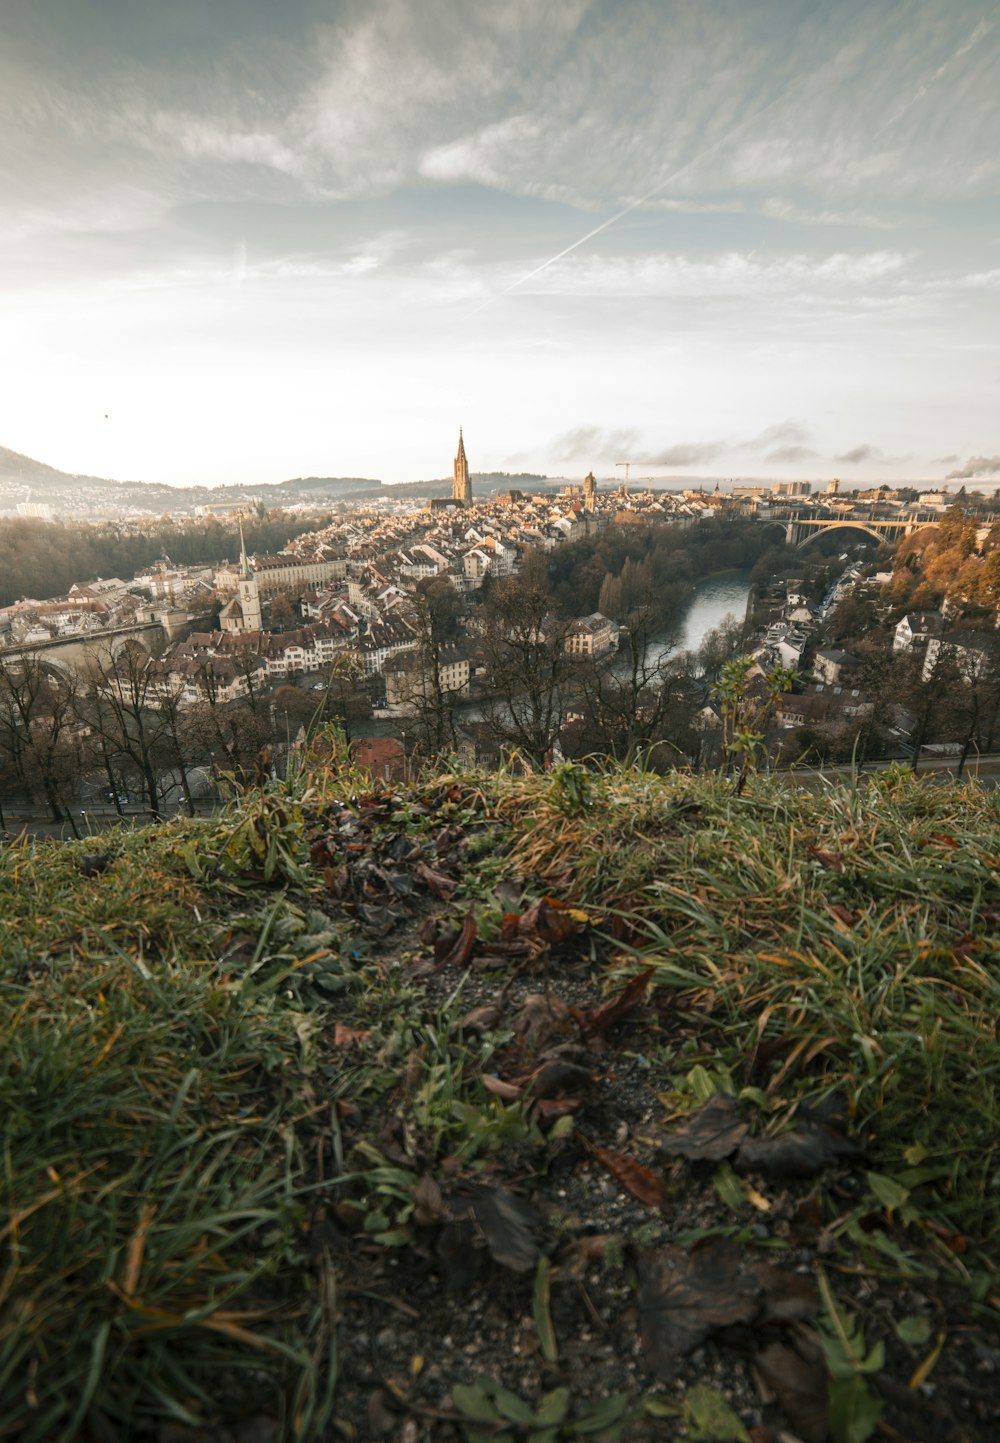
461, 486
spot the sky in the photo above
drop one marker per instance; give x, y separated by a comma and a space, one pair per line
243, 241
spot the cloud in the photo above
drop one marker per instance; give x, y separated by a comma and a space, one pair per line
783, 433
787, 455
786, 210
583, 442
976, 466
732, 274
860, 455
689, 453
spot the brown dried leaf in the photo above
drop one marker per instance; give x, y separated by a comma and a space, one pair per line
714, 1132
506, 1091
686, 1296
510, 1226
550, 1107
844, 914
539, 1019
801, 1153
462, 948
559, 1076
834, 860
787, 1296
548, 920
799, 1384
435, 882
643, 1184
345, 1036
599, 1019
429, 1204
481, 1019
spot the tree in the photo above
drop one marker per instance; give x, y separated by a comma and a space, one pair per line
39, 735
425, 675
282, 616
117, 707
721, 644
529, 673
929, 700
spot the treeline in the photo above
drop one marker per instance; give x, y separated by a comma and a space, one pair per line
41, 559
656, 565
950, 560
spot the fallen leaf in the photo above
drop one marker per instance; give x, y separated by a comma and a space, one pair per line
435, 882
844, 914
834, 860
799, 1384
462, 948
506, 1091
480, 1019
548, 920
643, 1184
549, 1107
345, 1036
801, 1153
786, 1296
685, 1296
712, 1133
510, 1227
539, 1019
558, 1076
429, 1204
599, 1019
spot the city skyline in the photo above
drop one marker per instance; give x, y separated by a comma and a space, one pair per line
242, 244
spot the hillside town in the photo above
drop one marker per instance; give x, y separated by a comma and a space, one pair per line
384, 623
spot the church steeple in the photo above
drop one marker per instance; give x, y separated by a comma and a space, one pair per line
461, 486
248, 589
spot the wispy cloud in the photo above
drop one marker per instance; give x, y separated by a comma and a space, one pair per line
790, 455
689, 453
976, 466
602, 444
862, 455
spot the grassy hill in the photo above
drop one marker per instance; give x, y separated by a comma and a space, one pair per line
549, 1107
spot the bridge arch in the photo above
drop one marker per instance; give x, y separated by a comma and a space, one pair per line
120, 644
811, 533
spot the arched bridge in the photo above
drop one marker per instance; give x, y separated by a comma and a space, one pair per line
75, 655
799, 531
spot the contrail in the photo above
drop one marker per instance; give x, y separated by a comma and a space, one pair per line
642, 200
981, 31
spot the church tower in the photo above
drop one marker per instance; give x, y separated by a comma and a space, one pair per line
589, 490
461, 486
249, 592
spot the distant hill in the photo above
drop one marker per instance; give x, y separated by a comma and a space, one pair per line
15, 467
46, 483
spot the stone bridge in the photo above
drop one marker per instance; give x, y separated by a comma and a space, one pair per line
800, 530
74, 655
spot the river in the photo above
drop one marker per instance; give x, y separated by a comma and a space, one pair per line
712, 600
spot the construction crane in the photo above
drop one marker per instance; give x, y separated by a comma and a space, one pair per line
627, 464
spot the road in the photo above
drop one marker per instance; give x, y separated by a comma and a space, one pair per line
982, 768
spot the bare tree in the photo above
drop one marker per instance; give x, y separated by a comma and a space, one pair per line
529, 672
39, 734
117, 708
